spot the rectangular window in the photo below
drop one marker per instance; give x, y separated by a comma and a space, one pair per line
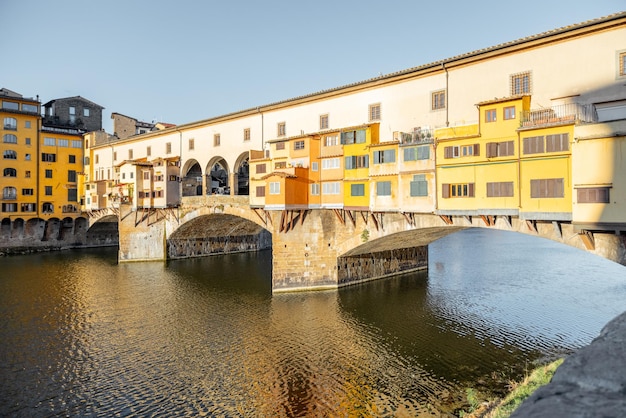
457, 190
557, 142
64, 143
27, 192
27, 157
386, 156
314, 166
280, 146
509, 112
48, 190
593, 195
27, 124
520, 84
383, 188
298, 145
71, 176
621, 64
356, 161
260, 191
331, 140
77, 143
357, 190
168, 148
9, 154
419, 185
72, 110
274, 187
192, 144
10, 105
28, 207
280, 164
540, 188
500, 189
323, 121
148, 151
490, 115
281, 129
49, 141
27, 174
353, 137
246, 134
146, 175
533, 145
48, 158
86, 112
27, 141
328, 163
438, 100
500, 149
451, 152
315, 189
114, 155
130, 154
216, 140
72, 159
332, 187
9, 207
374, 112
260, 168
72, 195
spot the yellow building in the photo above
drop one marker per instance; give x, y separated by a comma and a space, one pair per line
20, 152
416, 171
356, 142
61, 153
258, 164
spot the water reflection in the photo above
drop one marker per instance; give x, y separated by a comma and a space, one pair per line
81, 335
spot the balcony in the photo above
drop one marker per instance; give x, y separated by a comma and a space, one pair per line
418, 136
559, 115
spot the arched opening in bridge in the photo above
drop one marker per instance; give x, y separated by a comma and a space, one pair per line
241, 181
104, 232
392, 254
217, 234
217, 176
192, 179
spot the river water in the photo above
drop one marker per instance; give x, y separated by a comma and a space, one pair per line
81, 335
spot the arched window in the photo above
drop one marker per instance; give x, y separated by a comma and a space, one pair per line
10, 172
9, 193
10, 123
9, 154
9, 139
47, 207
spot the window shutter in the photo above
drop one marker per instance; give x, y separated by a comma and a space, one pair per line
470, 188
476, 149
447, 151
445, 190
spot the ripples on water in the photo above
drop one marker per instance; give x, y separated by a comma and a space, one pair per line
81, 335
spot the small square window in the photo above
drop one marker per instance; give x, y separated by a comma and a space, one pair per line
374, 112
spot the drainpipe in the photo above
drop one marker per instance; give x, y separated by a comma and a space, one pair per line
443, 65
258, 109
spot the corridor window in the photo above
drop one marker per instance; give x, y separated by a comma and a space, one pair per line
520, 83
500, 189
323, 121
374, 112
593, 195
438, 100
533, 145
50, 142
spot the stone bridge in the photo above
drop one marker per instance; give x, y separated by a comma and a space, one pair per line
318, 248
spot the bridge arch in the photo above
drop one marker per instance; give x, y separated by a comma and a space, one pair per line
216, 233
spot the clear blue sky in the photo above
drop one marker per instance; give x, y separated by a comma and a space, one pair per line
180, 61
